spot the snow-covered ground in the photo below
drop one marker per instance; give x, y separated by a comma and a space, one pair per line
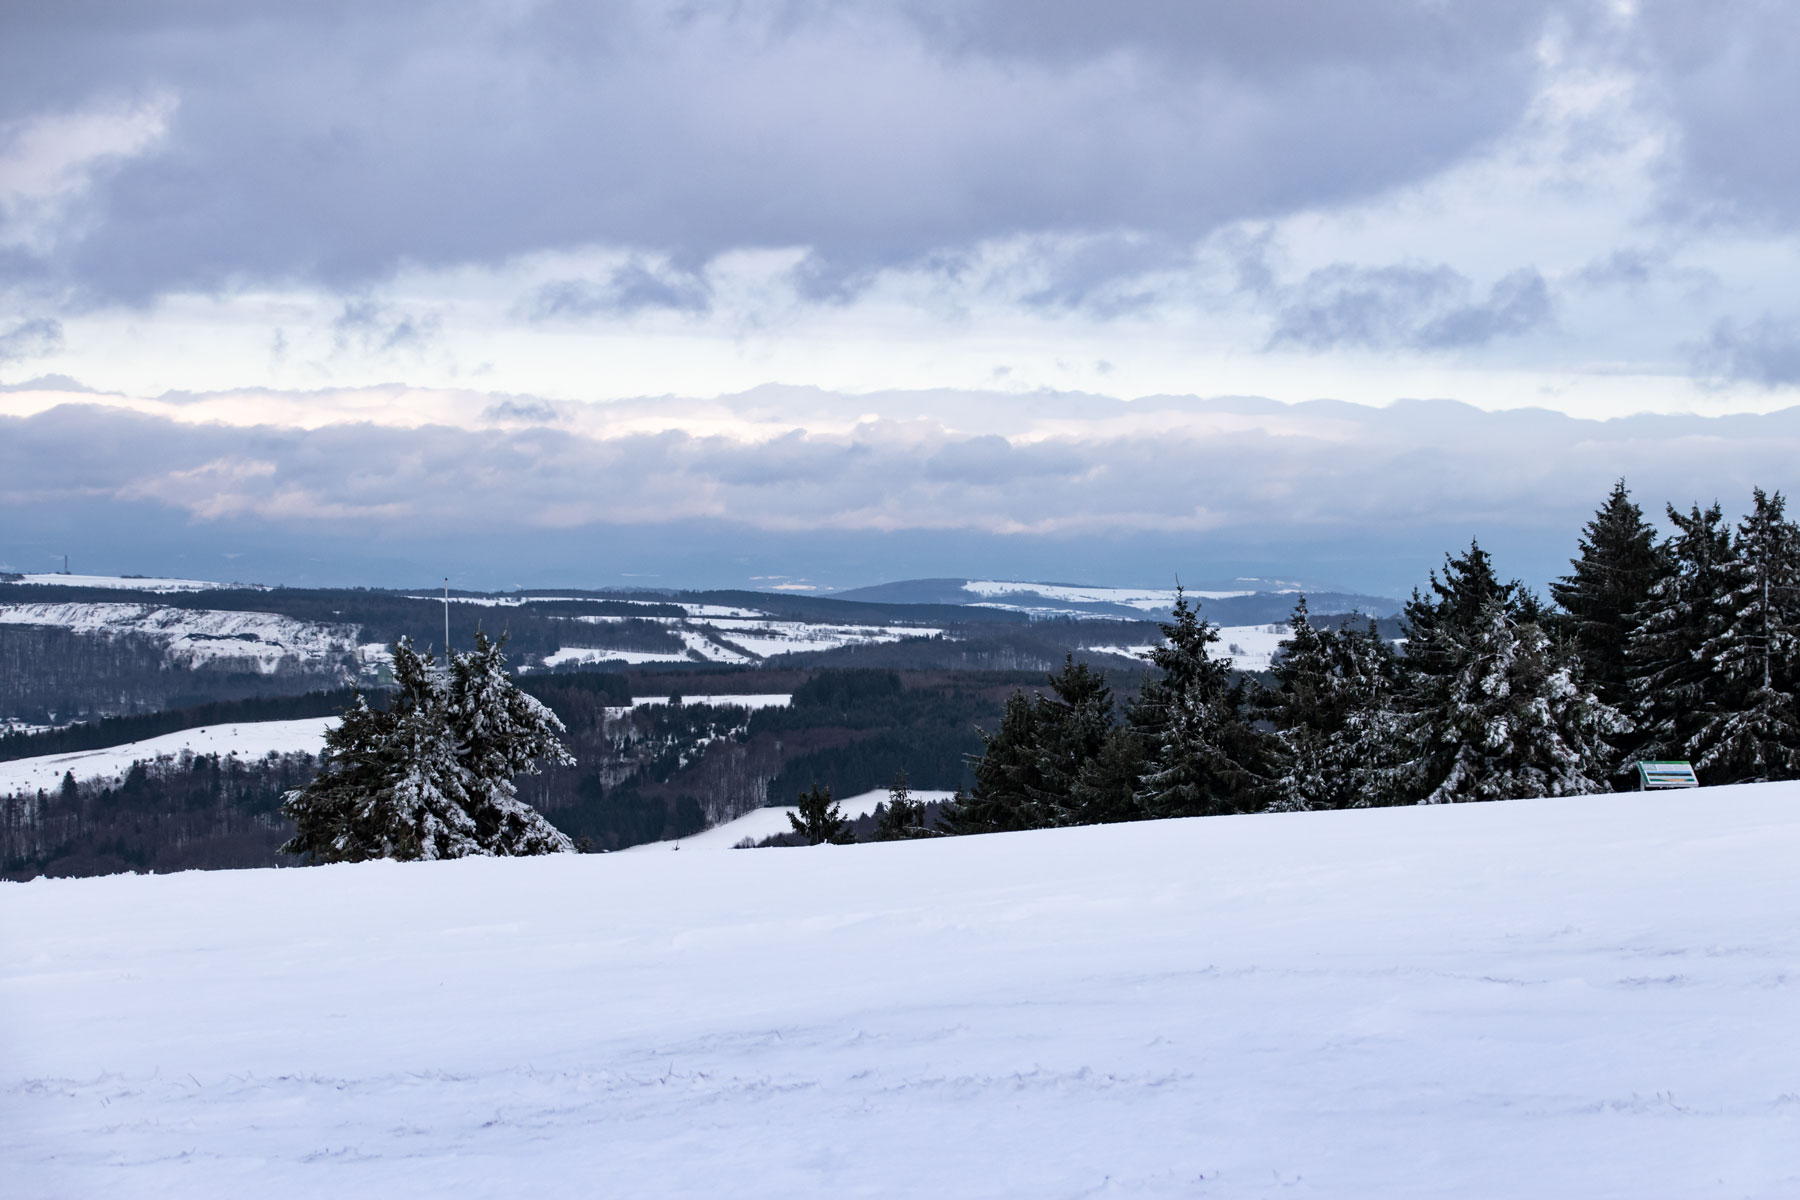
198, 636
696, 646
1560, 998
765, 638
747, 639
128, 583
767, 822
247, 739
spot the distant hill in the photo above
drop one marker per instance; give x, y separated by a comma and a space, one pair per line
1231, 602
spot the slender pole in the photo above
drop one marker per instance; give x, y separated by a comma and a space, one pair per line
446, 618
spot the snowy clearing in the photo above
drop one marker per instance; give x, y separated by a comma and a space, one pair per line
767, 822
246, 740
1545, 998
765, 638
1250, 647
195, 637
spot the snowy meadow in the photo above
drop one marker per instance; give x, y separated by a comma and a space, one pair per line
1585, 996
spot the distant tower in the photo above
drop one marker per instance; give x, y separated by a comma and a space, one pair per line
65, 564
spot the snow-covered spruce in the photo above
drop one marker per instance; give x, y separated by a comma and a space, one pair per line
432, 776
1334, 716
1753, 734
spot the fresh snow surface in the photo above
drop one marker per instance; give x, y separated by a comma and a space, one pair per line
126, 583
1590, 997
245, 739
1148, 599
197, 636
760, 823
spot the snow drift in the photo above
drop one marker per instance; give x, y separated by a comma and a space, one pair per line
1579, 997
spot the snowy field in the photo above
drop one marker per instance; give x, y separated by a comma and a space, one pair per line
1563, 998
247, 740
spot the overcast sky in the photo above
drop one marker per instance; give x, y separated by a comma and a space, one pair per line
859, 291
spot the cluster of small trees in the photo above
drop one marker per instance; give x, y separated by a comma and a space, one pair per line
432, 775
1686, 647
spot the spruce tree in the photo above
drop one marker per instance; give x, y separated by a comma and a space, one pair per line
1673, 688
1200, 756
1753, 733
1333, 711
1106, 790
1007, 776
501, 733
1618, 566
1456, 606
431, 776
901, 818
818, 818
1510, 718
1072, 724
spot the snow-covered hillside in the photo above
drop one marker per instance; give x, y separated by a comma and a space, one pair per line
195, 637
246, 740
127, 583
732, 638
1557, 998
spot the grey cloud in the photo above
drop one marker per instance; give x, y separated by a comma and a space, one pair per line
537, 412
871, 134
31, 339
1105, 276
1765, 351
1517, 304
1725, 73
1407, 305
375, 326
631, 288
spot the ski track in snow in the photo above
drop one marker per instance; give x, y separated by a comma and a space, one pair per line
1587, 998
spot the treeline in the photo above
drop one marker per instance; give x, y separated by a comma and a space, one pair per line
1685, 647
50, 676
171, 814
666, 771
925, 734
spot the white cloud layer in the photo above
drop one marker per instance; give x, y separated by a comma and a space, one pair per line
1181, 477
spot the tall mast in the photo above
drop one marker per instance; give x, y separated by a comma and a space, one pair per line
446, 619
